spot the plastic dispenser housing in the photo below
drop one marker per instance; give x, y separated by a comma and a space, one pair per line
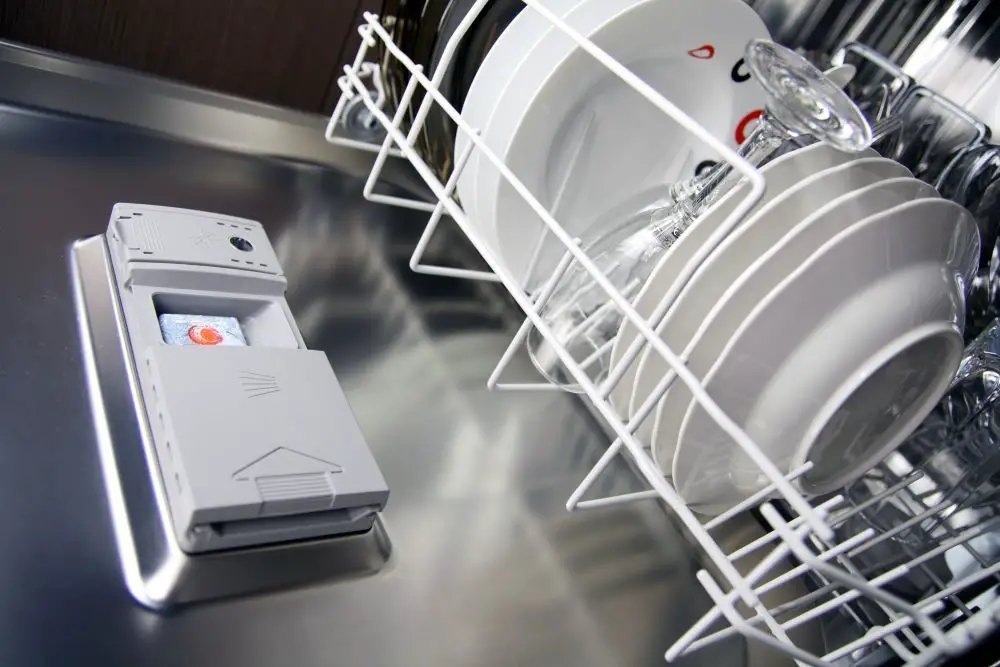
254, 444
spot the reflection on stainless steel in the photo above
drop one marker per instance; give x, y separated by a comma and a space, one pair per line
893, 28
949, 42
878, 83
932, 133
949, 46
487, 566
973, 180
44, 80
960, 57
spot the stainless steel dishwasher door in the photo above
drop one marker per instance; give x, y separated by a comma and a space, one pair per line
488, 567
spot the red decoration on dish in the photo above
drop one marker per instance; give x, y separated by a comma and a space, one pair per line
741, 127
704, 52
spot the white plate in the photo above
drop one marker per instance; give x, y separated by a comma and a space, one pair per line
781, 174
574, 132
738, 251
728, 312
502, 63
875, 309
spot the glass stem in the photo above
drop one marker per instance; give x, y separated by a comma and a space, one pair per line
696, 194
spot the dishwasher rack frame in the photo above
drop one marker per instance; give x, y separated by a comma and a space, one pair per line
912, 631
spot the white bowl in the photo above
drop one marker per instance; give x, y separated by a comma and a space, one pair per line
763, 275
781, 174
754, 238
879, 405
880, 298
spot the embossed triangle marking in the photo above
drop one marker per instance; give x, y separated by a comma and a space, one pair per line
284, 461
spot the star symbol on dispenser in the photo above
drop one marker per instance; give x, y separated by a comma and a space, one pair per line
206, 239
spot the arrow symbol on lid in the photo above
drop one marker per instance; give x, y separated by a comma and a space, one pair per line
285, 461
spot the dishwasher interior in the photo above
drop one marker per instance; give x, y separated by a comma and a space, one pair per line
487, 566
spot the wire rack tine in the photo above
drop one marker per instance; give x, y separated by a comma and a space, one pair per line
449, 52
359, 64
737, 621
779, 553
755, 499
367, 41
882, 580
876, 634
416, 263
803, 553
767, 538
369, 188
522, 333
602, 463
621, 499
971, 632
687, 643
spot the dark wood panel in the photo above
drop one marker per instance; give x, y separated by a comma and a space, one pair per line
285, 52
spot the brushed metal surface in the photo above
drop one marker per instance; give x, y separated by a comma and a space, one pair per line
488, 568
280, 52
47, 80
893, 28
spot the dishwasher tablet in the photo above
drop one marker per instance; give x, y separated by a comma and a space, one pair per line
204, 330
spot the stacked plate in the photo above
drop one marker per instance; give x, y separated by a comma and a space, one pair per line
422, 30
826, 326
579, 138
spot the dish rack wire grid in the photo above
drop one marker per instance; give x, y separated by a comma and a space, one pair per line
918, 632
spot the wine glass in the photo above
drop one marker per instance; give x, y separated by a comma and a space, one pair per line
801, 100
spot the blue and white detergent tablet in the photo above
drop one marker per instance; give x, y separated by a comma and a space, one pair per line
205, 330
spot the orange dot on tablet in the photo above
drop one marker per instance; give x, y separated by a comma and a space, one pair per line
204, 335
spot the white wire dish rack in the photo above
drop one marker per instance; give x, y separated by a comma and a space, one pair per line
919, 632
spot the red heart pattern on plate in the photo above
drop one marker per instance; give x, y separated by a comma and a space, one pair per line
703, 52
